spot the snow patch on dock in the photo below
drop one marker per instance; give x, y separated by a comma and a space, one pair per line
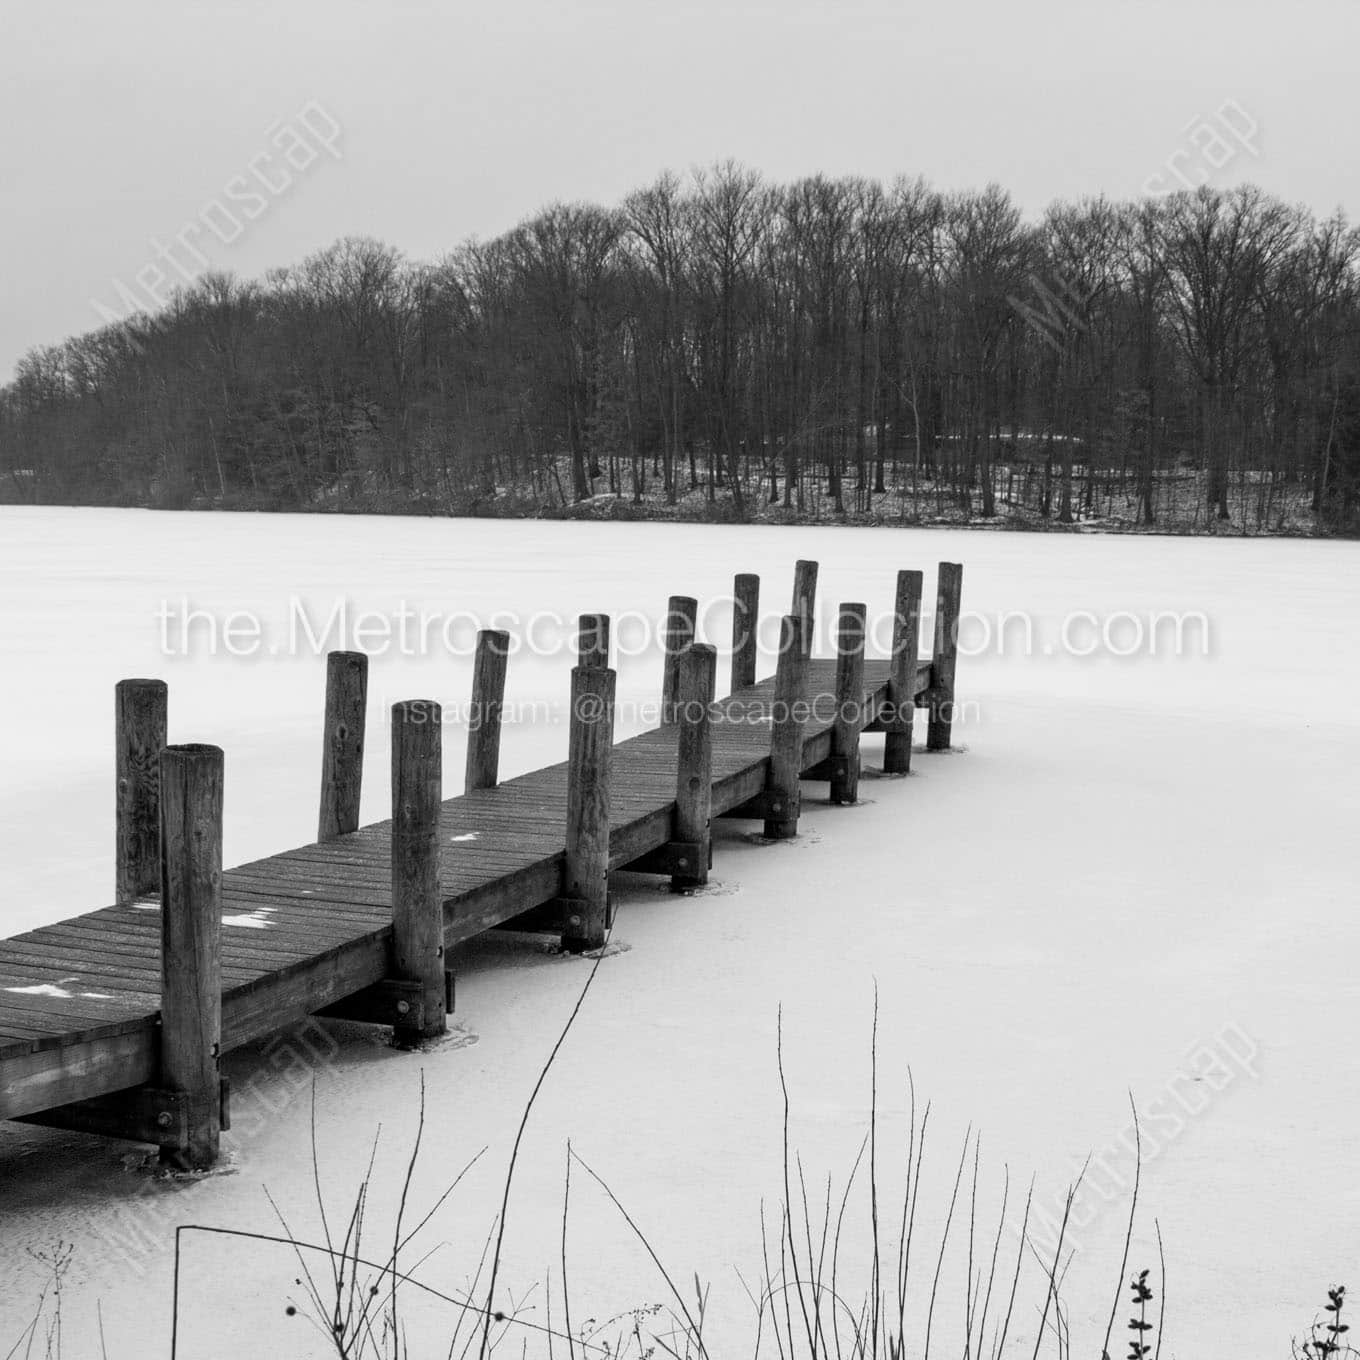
250, 920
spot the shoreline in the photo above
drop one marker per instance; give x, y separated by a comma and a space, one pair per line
609, 509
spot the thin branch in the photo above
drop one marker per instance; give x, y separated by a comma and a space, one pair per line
1128, 1235
514, 1151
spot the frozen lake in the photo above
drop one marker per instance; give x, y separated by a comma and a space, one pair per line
1137, 876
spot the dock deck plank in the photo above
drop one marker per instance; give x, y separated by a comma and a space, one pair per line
79, 999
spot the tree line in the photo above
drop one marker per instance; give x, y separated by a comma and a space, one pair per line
723, 346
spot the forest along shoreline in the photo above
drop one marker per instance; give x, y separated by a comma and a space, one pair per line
722, 347
698, 507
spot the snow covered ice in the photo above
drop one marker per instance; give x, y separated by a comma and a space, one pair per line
1136, 876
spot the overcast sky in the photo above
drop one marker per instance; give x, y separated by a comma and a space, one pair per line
123, 121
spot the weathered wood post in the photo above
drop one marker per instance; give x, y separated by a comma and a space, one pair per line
592, 640
417, 908
789, 715
191, 946
140, 724
906, 643
590, 747
484, 721
805, 600
342, 751
694, 762
948, 599
745, 630
849, 703
682, 613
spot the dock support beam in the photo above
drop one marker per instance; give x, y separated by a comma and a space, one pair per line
140, 725
592, 640
948, 600
682, 613
849, 703
745, 630
805, 601
191, 946
782, 793
688, 855
589, 762
342, 752
484, 721
184, 1110
897, 721
694, 766
417, 908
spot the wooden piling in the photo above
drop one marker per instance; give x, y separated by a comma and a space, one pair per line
342, 752
417, 907
745, 630
682, 613
484, 720
589, 762
140, 724
948, 602
789, 715
845, 729
694, 761
191, 946
805, 600
897, 722
592, 640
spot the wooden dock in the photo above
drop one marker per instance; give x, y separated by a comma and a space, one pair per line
114, 1022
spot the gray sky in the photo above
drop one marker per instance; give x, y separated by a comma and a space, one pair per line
123, 121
